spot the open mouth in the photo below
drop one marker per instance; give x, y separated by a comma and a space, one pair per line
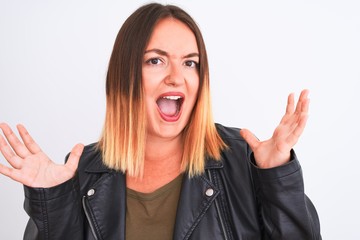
170, 106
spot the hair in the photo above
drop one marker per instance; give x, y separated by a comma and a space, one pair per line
122, 141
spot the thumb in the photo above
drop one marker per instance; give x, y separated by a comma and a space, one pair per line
74, 157
250, 138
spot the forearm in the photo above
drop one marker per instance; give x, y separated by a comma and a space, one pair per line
55, 213
286, 212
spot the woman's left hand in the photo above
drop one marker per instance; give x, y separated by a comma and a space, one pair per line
276, 151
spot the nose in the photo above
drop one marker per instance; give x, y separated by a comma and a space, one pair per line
175, 76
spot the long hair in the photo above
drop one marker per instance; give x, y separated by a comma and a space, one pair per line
124, 133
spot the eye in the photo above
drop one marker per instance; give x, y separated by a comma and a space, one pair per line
191, 64
154, 61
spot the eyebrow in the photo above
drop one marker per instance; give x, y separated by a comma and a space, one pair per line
163, 53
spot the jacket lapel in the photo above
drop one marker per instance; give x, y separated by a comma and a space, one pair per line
105, 201
197, 195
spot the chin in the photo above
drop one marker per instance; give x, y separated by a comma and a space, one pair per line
167, 130
170, 132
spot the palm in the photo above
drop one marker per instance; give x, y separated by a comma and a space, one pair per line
31, 166
276, 150
38, 170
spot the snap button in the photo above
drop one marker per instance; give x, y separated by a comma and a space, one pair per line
91, 192
209, 192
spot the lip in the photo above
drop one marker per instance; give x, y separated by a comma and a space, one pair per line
168, 118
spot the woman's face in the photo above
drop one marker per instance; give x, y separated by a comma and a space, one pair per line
170, 78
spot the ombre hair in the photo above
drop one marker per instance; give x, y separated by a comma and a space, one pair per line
124, 133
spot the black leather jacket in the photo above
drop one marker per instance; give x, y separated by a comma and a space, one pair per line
233, 199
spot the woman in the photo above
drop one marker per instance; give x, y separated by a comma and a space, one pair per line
162, 169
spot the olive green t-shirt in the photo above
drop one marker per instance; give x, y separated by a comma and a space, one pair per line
151, 216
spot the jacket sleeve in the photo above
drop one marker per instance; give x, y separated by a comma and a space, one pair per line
55, 213
286, 212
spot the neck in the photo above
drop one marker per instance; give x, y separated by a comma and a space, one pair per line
162, 164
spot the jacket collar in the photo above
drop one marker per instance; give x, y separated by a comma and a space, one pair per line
211, 163
97, 166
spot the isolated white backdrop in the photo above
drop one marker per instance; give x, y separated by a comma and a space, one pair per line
53, 61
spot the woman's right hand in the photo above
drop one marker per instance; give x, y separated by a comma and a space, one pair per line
30, 165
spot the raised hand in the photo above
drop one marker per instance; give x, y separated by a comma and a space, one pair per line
30, 165
276, 151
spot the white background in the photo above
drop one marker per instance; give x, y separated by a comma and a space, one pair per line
53, 63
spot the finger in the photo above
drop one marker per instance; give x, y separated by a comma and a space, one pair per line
11, 173
295, 118
291, 117
305, 106
303, 109
296, 133
14, 141
28, 140
250, 138
295, 122
289, 110
302, 98
74, 157
9, 155
5, 170
290, 104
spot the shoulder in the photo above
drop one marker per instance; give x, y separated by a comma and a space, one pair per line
235, 159
91, 167
230, 134
237, 150
91, 159
90, 151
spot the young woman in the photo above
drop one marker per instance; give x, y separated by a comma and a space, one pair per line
162, 168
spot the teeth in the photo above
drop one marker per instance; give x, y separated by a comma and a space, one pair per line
172, 97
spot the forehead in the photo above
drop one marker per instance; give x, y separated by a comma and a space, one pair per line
172, 35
